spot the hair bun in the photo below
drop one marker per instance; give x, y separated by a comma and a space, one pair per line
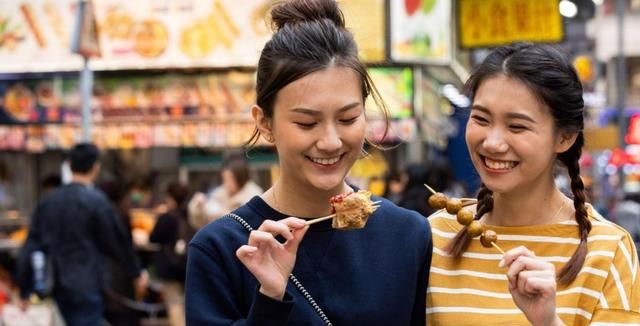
292, 12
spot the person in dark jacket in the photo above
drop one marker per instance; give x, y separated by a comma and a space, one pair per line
173, 232
77, 228
312, 91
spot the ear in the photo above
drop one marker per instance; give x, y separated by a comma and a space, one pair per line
262, 123
565, 141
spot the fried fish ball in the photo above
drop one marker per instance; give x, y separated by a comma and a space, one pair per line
454, 205
464, 216
474, 229
487, 237
438, 200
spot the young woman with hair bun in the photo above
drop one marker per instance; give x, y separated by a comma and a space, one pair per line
311, 91
564, 263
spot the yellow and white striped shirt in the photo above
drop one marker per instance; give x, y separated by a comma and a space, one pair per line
473, 290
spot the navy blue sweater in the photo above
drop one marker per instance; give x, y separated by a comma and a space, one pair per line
373, 276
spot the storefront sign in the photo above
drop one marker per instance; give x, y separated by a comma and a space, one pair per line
366, 20
495, 22
421, 31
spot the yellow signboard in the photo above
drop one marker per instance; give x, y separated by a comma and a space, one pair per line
485, 23
368, 29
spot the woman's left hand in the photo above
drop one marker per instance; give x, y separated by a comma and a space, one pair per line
532, 283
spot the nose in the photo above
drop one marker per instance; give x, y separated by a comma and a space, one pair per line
495, 141
330, 140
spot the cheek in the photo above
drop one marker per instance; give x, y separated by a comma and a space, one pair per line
473, 135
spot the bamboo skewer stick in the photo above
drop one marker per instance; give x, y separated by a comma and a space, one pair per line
320, 219
430, 189
497, 247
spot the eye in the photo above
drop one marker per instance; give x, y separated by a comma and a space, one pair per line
349, 121
517, 128
480, 120
306, 125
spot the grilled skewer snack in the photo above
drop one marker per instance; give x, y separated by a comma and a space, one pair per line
464, 216
349, 211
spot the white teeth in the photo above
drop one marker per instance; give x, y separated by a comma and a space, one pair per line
325, 161
499, 165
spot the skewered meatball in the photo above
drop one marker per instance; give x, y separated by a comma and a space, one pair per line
438, 200
454, 205
474, 229
464, 216
487, 237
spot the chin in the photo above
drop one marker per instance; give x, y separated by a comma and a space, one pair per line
327, 184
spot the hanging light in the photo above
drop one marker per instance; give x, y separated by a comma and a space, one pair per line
568, 9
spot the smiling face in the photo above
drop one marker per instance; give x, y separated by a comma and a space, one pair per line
318, 127
511, 136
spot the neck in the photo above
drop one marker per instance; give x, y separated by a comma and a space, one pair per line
301, 201
538, 206
84, 179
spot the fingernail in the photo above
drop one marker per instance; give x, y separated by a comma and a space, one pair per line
501, 263
300, 223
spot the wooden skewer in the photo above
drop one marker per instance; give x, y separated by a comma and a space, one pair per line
328, 217
320, 219
497, 247
430, 189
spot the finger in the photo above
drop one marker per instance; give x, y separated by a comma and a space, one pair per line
246, 253
294, 222
523, 263
276, 228
298, 235
513, 254
525, 281
262, 239
543, 286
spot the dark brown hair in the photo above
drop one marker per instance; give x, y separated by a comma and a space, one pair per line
309, 36
552, 78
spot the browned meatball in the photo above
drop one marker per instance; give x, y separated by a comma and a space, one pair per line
487, 237
438, 200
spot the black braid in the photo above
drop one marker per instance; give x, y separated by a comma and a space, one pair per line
570, 159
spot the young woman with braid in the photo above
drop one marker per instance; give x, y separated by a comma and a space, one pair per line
311, 91
564, 263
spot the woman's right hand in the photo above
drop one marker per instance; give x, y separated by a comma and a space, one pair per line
270, 261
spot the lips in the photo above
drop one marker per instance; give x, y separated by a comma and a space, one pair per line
325, 160
499, 165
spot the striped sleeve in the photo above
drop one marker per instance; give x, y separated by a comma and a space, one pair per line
619, 303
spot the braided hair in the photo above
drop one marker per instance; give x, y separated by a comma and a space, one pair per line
552, 78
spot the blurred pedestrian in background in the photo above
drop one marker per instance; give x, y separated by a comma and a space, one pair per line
236, 189
173, 232
49, 183
415, 193
122, 289
76, 228
395, 183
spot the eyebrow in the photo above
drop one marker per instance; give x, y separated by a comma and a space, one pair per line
317, 112
511, 115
